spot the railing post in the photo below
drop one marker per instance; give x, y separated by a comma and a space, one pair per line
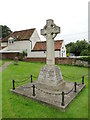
31, 79
62, 99
75, 87
13, 85
82, 79
33, 90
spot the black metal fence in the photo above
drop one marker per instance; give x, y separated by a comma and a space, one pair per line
30, 78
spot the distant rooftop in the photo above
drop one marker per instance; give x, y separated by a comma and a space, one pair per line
41, 45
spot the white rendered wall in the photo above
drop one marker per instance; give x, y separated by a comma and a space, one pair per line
57, 53
42, 54
20, 46
63, 50
34, 38
4, 44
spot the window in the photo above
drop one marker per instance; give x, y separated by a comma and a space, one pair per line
11, 42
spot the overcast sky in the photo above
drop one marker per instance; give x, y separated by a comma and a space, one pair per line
70, 15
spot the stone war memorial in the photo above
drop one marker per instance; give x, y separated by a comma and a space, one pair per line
50, 88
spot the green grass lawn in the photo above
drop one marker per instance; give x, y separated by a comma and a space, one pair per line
15, 106
0, 96
1, 63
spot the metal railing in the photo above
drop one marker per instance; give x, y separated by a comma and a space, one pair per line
74, 89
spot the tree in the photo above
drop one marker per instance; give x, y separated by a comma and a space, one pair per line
5, 31
84, 53
73, 48
68, 46
80, 48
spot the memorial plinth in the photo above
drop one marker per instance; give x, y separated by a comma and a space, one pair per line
50, 76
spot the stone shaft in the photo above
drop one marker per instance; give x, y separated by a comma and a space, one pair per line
50, 60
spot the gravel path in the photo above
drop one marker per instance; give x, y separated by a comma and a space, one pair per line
4, 66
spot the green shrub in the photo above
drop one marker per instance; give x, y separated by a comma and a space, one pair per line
84, 59
24, 53
68, 54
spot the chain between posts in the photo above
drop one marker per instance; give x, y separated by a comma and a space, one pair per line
65, 93
74, 78
54, 93
31, 76
22, 80
75, 84
61, 93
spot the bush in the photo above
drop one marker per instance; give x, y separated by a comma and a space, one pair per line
24, 53
68, 54
84, 59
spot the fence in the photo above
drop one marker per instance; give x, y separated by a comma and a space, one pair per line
74, 89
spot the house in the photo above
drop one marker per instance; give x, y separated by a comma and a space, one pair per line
23, 40
40, 49
29, 41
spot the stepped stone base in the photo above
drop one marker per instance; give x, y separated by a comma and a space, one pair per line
53, 98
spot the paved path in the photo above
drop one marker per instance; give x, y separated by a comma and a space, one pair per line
4, 66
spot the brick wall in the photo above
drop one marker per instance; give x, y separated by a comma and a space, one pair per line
65, 60
70, 61
57, 60
35, 59
9, 55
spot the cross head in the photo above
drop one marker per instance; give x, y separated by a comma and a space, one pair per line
50, 30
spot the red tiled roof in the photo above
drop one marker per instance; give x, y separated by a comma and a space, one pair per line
20, 35
41, 46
